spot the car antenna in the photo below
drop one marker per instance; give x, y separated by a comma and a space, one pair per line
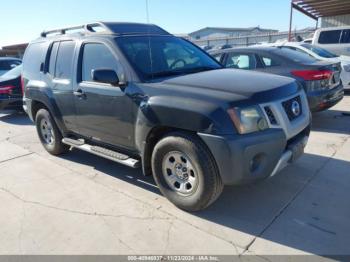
149, 37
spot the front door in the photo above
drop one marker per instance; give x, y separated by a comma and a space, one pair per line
104, 112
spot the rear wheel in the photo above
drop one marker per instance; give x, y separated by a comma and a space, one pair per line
49, 134
186, 172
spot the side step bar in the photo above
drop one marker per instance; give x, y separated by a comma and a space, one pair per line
102, 152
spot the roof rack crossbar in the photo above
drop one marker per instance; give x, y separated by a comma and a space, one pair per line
87, 28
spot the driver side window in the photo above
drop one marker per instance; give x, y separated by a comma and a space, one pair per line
97, 56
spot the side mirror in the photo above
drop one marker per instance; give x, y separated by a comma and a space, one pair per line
106, 76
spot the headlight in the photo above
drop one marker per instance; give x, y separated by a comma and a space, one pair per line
347, 68
248, 120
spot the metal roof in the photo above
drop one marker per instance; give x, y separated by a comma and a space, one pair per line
322, 8
233, 29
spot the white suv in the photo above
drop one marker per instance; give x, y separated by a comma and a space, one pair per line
334, 39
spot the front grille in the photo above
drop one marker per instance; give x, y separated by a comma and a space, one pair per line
293, 108
270, 115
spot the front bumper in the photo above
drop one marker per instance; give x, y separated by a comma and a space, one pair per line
322, 100
248, 158
27, 107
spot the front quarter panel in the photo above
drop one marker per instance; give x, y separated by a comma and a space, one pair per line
180, 113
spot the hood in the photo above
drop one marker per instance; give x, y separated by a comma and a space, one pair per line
242, 83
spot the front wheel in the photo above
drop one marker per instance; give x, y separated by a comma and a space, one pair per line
186, 172
49, 134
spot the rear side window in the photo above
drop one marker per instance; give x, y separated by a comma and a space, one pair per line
64, 60
269, 61
330, 37
345, 38
53, 55
96, 56
241, 61
35, 55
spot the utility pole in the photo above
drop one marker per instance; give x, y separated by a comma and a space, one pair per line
290, 22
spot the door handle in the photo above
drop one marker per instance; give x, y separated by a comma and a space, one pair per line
79, 93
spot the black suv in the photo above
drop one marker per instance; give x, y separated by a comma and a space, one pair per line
135, 94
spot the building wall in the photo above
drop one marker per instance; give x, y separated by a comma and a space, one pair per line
340, 20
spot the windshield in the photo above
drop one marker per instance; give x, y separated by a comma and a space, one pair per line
319, 51
168, 56
15, 72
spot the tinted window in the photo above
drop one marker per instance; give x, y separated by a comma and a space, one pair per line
218, 57
64, 60
345, 38
241, 61
35, 55
319, 51
329, 37
52, 63
295, 56
96, 56
295, 49
162, 56
9, 64
269, 61
4, 65
15, 72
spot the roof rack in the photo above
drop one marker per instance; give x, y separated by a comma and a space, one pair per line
87, 28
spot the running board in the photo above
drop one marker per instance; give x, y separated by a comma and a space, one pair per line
102, 152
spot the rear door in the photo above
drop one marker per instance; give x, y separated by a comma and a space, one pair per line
59, 75
104, 112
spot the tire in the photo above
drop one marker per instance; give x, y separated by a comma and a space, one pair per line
193, 188
49, 134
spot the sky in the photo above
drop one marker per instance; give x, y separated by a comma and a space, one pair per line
23, 20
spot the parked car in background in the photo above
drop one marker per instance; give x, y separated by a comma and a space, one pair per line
334, 39
8, 63
307, 41
221, 47
207, 47
11, 89
321, 54
139, 96
320, 79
